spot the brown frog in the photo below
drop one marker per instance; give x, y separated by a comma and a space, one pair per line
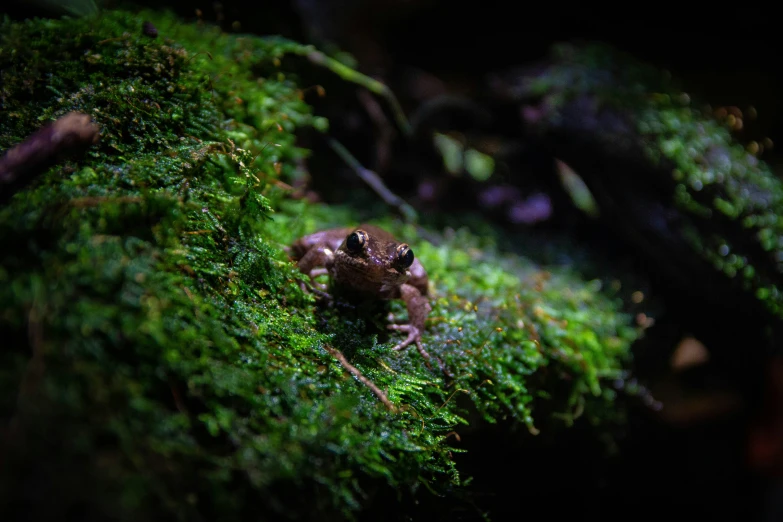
368, 261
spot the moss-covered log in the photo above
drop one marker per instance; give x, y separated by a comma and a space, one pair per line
160, 360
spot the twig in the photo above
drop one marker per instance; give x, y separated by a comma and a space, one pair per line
337, 354
71, 134
374, 181
372, 85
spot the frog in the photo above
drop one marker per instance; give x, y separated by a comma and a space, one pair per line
367, 261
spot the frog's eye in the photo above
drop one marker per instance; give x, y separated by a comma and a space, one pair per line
356, 241
404, 255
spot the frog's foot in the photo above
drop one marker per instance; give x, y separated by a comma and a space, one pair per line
316, 287
414, 336
323, 295
316, 273
319, 289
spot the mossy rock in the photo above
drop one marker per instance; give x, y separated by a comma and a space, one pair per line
161, 360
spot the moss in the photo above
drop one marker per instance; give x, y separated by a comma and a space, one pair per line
727, 202
182, 368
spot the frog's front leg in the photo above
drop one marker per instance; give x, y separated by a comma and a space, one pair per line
419, 308
316, 262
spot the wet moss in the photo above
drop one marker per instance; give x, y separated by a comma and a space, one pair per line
156, 326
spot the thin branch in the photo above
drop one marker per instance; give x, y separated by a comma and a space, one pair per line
70, 135
372, 85
337, 354
374, 181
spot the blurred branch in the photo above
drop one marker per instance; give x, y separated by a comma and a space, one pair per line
372, 85
70, 134
375, 182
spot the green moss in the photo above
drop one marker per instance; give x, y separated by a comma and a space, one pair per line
184, 370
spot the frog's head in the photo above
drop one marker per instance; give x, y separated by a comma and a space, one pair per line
370, 255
